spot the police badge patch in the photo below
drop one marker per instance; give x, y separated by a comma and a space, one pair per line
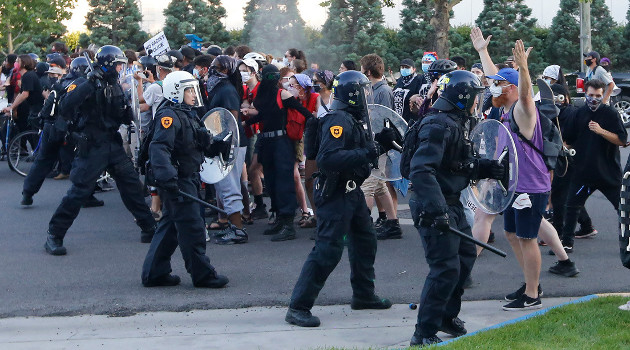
336, 131
167, 122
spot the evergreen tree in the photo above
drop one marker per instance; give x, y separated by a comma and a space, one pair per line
624, 55
606, 39
200, 17
507, 21
115, 22
461, 45
273, 26
353, 29
416, 33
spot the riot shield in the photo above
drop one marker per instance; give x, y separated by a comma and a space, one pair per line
388, 163
130, 87
220, 122
492, 140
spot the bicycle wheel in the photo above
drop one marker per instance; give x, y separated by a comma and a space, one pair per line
23, 151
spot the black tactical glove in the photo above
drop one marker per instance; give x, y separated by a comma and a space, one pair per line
170, 187
439, 222
373, 151
489, 169
95, 75
386, 139
221, 145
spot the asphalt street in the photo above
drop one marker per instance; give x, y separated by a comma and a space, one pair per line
101, 273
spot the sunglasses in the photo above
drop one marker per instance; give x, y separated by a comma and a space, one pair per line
497, 82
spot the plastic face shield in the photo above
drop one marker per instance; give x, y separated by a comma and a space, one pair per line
192, 94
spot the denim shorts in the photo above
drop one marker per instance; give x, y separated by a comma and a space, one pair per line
526, 222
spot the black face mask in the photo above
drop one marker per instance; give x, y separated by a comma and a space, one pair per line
317, 88
588, 62
607, 68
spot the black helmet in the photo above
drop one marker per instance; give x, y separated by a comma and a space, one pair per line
351, 90
148, 62
41, 68
79, 66
459, 89
440, 67
108, 56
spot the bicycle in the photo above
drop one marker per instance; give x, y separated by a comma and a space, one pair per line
22, 151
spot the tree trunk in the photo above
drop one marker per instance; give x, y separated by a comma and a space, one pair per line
441, 24
9, 38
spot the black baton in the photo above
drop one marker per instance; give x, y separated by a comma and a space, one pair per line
477, 242
204, 203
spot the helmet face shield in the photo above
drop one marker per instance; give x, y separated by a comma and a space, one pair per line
192, 94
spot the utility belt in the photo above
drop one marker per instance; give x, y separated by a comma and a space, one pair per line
275, 133
330, 183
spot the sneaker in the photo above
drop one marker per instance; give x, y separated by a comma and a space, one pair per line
287, 230
260, 212
390, 229
587, 233
625, 307
219, 281
417, 340
164, 281
379, 222
523, 303
521, 291
373, 303
54, 245
566, 269
454, 327
26, 200
234, 235
567, 248
302, 318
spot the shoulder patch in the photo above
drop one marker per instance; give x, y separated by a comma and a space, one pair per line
166, 122
336, 131
71, 87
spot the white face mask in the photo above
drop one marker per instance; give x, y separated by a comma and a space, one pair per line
497, 91
245, 77
285, 85
294, 91
285, 61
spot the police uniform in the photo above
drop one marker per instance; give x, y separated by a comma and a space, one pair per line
52, 140
344, 158
176, 153
442, 166
102, 107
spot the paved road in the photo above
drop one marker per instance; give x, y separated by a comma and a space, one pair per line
101, 273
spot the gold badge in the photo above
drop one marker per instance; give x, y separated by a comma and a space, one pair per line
71, 87
167, 122
336, 131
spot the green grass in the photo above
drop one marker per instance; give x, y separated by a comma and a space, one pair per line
595, 324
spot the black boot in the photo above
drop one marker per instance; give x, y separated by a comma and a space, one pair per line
218, 281
390, 229
27, 199
275, 229
453, 326
374, 303
302, 318
164, 281
417, 340
287, 229
147, 234
93, 202
54, 245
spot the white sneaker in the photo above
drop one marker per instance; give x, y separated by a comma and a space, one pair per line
625, 307
207, 235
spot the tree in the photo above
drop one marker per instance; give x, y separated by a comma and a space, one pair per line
115, 22
200, 17
20, 20
353, 29
624, 55
459, 38
507, 21
606, 39
273, 26
441, 22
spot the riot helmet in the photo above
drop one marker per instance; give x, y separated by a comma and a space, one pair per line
148, 62
108, 57
441, 67
181, 88
458, 91
79, 66
351, 92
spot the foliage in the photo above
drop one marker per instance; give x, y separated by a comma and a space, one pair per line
273, 26
115, 22
200, 17
462, 46
84, 40
416, 34
72, 40
21, 20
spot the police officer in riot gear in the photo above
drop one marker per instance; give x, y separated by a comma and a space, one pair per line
442, 166
176, 153
53, 140
101, 107
345, 155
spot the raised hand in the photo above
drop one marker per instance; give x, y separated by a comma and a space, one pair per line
479, 43
520, 54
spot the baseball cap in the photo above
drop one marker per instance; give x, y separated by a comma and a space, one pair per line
214, 50
188, 52
508, 74
56, 59
593, 54
430, 56
408, 62
55, 70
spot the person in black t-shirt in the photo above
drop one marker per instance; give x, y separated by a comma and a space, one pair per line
596, 136
30, 100
408, 84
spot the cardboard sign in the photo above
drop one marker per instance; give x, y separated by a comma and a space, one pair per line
157, 45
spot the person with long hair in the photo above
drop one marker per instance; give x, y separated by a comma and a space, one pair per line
277, 152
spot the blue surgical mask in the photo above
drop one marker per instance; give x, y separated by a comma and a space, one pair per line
548, 81
425, 67
405, 72
196, 73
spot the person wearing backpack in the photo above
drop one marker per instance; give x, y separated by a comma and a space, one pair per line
512, 90
277, 152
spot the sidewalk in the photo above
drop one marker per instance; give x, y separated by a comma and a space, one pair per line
251, 328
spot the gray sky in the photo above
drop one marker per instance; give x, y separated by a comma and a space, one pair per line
466, 12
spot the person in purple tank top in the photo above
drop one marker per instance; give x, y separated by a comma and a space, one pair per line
512, 91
